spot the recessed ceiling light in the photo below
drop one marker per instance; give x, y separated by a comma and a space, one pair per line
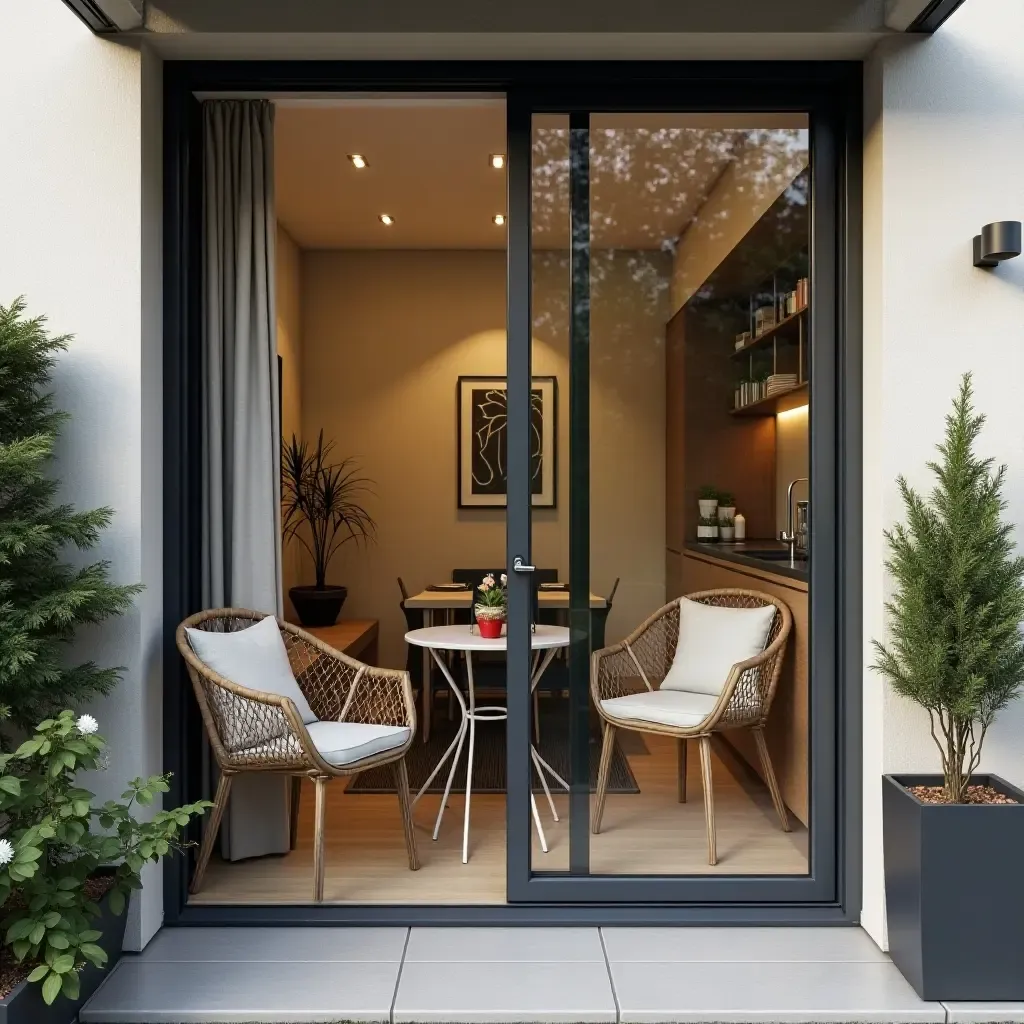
497, 160
499, 219
358, 161
386, 219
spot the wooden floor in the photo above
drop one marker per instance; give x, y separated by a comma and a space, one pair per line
645, 833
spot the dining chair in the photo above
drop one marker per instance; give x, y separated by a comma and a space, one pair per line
689, 674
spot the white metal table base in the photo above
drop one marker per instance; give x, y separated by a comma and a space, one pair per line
470, 716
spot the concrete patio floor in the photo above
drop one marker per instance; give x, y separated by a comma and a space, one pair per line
517, 975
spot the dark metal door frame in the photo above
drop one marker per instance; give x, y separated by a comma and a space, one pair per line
830, 93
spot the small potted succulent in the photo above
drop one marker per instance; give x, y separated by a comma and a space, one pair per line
68, 867
707, 501
322, 510
726, 528
490, 605
707, 528
726, 508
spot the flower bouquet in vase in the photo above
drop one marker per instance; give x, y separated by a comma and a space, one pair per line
490, 606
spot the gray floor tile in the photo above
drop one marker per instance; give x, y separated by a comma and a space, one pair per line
139, 992
736, 944
493, 993
281, 944
986, 1013
505, 944
793, 993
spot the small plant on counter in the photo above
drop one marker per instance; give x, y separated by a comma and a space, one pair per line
59, 854
707, 528
726, 526
707, 493
726, 500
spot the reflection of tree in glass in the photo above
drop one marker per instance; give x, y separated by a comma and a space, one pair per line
649, 186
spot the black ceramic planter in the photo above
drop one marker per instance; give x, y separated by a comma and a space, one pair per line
954, 891
25, 1004
318, 606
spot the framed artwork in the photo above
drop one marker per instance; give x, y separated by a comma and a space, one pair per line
482, 441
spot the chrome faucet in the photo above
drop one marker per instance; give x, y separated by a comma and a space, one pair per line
790, 536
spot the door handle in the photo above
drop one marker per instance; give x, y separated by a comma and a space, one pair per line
519, 566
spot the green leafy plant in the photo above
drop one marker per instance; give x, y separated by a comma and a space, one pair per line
491, 593
321, 502
42, 599
955, 643
707, 493
726, 521
708, 521
55, 841
726, 500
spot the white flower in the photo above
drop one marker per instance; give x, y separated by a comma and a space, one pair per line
489, 580
6, 852
484, 587
504, 579
87, 725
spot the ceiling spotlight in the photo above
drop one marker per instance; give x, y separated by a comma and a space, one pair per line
497, 160
358, 161
499, 219
386, 219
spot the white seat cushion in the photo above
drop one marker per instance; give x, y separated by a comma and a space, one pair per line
341, 743
675, 708
254, 657
711, 641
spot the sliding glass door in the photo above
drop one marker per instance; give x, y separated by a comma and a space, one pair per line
672, 340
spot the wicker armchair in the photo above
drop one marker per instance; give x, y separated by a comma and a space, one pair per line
253, 731
642, 661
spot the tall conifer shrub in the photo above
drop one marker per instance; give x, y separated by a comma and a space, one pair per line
43, 600
955, 645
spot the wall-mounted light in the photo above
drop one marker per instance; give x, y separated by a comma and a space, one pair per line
997, 242
499, 219
358, 161
386, 219
496, 160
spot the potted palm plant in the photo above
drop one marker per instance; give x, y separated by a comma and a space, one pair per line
952, 841
322, 510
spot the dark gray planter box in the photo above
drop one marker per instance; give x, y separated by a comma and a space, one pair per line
25, 1004
954, 891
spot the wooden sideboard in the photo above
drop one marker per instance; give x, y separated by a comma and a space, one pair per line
355, 637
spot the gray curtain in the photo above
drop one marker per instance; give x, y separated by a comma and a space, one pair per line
242, 432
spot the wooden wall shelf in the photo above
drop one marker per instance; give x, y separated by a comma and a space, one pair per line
771, 334
781, 402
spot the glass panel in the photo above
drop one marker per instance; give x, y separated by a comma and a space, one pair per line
550, 525
698, 438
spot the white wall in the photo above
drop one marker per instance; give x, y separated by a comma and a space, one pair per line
945, 148
80, 209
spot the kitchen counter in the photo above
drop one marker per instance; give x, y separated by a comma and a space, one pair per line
747, 552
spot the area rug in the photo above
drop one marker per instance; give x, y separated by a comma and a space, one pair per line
489, 761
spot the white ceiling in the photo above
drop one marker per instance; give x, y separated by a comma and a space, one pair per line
429, 169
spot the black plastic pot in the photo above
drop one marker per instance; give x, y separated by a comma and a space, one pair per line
318, 606
25, 1004
954, 892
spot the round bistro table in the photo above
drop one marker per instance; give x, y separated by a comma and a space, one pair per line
545, 642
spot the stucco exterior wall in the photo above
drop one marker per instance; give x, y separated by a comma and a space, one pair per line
944, 149
79, 221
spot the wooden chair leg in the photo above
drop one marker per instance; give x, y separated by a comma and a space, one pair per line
220, 803
405, 804
607, 746
769, 777
318, 838
293, 820
681, 745
709, 797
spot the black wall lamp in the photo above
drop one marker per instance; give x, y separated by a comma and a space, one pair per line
997, 242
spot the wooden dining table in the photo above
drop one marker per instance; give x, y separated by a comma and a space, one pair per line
435, 603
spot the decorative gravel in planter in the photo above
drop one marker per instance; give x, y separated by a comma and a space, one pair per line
22, 1003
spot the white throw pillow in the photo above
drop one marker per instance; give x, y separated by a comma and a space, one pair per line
255, 658
711, 641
